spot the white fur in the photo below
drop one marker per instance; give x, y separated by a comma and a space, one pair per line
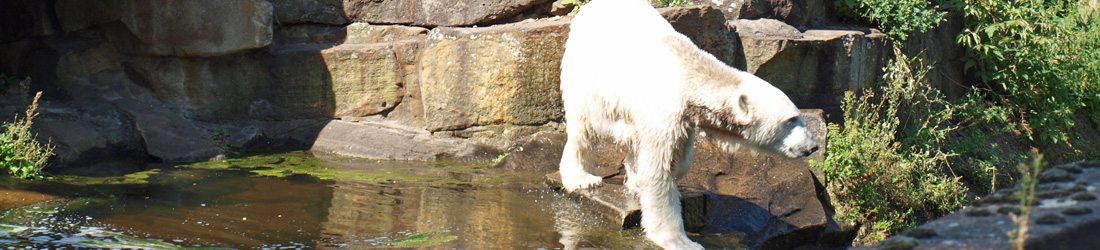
628, 74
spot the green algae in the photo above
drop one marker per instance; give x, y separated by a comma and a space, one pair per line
376, 171
427, 239
132, 178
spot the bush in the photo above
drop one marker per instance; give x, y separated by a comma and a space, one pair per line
898, 18
20, 152
885, 169
1040, 60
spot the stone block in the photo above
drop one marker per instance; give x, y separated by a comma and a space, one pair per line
505, 74
816, 67
192, 28
432, 13
309, 11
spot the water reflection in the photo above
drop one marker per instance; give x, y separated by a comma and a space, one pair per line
459, 207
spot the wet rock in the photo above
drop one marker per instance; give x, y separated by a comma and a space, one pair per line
309, 11
707, 28
897, 243
814, 67
432, 13
1076, 210
394, 142
192, 28
505, 74
536, 152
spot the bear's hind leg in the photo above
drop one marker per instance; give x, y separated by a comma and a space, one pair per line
576, 160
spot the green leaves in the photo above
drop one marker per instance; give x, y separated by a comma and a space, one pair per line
23, 156
898, 18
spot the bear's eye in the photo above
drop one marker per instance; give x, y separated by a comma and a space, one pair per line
792, 120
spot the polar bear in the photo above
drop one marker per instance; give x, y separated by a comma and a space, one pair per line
628, 75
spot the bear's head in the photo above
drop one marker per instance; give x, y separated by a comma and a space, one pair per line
751, 113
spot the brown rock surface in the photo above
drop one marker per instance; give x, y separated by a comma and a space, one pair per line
432, 13
505, 74
814, 68
192, 28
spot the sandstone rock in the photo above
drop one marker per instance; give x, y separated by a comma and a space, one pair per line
432, 13
367, 33
309, 11
294, 82
192, 28
394, 142
74, 15
815, 70
707, 29
364, 78
811, 13
505, 74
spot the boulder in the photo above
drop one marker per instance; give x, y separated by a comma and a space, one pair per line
814, 68
771, 200
805, 14
89, 134
504, 74
168, 136
707, 28
432, 13
309, 11
75, 15
365, 78
388, 141
192, 28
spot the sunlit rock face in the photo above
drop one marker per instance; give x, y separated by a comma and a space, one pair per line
432, 13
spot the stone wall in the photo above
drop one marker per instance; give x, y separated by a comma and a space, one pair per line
190, 82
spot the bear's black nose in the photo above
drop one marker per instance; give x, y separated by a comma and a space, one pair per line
810, 151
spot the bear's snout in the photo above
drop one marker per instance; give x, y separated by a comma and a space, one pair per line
810, 151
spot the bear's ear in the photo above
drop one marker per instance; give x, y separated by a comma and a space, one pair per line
744, 113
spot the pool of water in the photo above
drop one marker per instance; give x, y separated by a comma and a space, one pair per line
301, 201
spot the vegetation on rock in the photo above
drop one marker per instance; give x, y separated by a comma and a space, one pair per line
905, 154
20, 153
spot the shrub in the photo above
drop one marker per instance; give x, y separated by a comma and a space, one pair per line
898, 18
885, 169
1038, 59
20, 152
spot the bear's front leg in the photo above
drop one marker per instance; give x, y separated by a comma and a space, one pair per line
660, 198
576, 159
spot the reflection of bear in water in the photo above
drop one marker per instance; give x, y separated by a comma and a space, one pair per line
628, 75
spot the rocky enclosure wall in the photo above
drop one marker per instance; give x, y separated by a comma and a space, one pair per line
174, 81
